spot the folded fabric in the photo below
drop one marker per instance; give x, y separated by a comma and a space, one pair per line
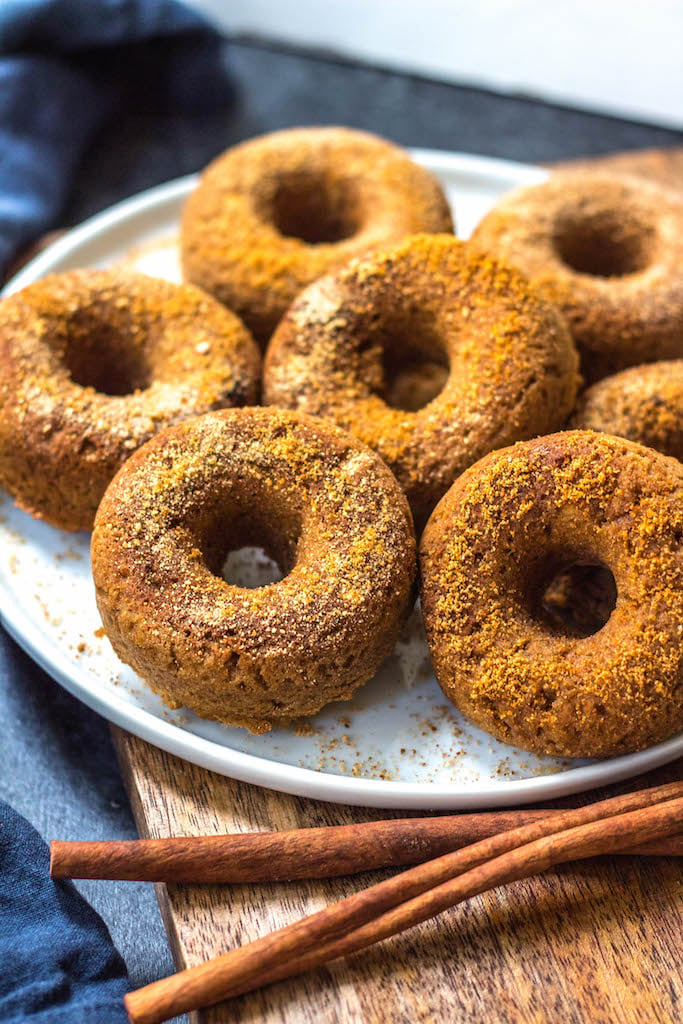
68, 25
65, 66
58, 960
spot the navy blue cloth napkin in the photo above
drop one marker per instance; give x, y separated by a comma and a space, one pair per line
58, 960
64, 67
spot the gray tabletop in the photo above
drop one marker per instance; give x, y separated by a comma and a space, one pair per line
57, 765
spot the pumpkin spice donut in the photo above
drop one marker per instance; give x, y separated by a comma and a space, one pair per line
274, 213
324, 506
495, 543
609, 252
643, 403
351, 341
92, 364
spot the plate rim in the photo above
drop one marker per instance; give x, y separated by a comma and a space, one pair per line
258, 770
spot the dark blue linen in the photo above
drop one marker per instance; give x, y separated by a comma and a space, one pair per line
65, 65
58, 961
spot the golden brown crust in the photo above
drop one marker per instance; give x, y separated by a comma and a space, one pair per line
145, 354
513, 367
274, 213
494, 542
609, 252
322, 504
643, 403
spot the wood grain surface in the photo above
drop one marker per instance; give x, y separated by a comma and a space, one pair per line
598, 942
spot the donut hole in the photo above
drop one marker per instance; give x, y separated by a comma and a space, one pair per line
249, 544
414, 366
98, 354
314, 208
250, 567
605, 243
578, 598
411, 379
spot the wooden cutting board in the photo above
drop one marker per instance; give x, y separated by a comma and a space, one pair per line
597, 942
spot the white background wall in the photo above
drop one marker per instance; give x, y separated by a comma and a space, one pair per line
615, 56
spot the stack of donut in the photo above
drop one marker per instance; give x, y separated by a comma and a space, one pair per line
411, 382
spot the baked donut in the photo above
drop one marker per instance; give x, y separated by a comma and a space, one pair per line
643, 403
351, 340
272, 214
609, 252
324, 506
494, 544
92, 364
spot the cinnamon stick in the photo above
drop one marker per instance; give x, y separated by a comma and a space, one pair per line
324, 852
418, 893
419, 909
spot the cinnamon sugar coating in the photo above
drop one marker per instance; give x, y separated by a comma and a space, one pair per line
492, 546
643, 403
509, 366
609, 252
321, 504
274, 213
92, 364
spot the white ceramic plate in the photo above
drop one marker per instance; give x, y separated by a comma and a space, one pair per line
399, 743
